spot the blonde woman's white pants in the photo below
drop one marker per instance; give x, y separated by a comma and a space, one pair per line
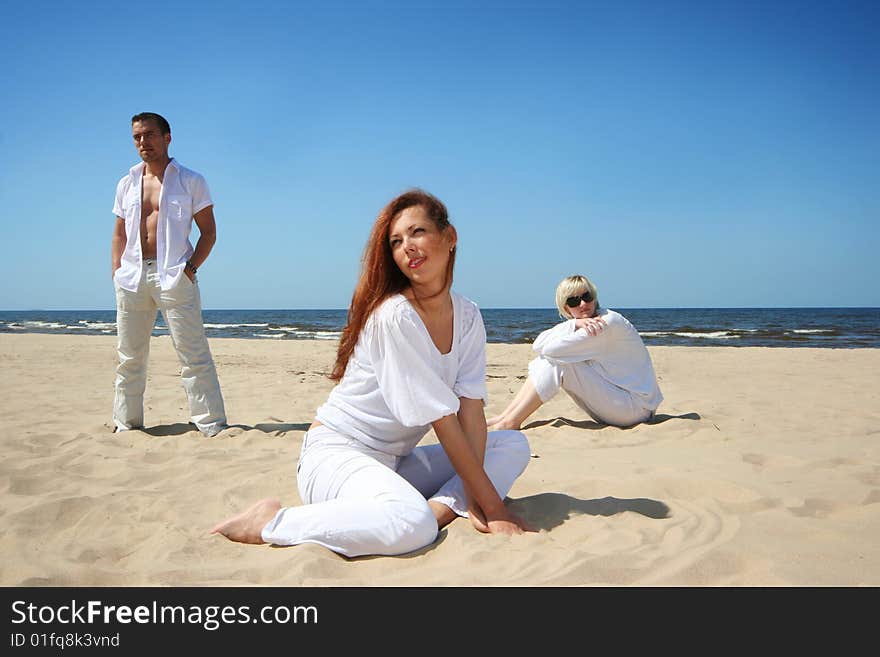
603, 401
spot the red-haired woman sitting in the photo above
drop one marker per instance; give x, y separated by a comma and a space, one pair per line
412, 356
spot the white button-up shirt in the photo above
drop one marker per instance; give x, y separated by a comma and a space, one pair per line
184, 193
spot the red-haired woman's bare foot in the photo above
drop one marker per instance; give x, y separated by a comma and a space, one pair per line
247, 526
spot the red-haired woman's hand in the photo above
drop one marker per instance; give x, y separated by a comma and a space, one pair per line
502, 522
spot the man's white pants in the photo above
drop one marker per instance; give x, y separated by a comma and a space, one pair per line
603, 401
361, 501
135, 317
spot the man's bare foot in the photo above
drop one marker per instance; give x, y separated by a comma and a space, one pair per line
247, 526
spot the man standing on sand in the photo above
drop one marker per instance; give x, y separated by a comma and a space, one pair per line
154, 268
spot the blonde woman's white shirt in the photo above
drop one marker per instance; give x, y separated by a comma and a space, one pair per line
617, 353
397, 382
184, 193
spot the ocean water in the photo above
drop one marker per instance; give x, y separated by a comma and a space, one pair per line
846, 328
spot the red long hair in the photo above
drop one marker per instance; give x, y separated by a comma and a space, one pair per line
380, 276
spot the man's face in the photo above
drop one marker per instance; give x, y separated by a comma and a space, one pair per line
151, 144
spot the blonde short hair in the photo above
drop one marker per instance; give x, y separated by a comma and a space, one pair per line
573, 286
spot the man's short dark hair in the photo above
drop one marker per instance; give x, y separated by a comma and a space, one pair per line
164, 128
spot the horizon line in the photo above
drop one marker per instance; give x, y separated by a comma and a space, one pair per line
551, 308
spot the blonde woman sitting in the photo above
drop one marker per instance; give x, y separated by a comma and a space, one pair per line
596, 356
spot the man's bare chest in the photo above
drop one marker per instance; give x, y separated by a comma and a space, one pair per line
152, 189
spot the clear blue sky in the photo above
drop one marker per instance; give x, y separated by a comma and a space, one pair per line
680, 154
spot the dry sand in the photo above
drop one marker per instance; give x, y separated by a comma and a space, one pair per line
762, 468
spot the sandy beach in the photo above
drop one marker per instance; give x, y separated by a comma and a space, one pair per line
762, 468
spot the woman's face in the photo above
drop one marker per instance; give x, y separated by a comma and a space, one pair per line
583, 309
420, 249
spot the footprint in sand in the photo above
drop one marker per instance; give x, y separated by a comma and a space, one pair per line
814, 508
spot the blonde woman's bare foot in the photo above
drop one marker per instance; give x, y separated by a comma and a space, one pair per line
247, 526
500, 424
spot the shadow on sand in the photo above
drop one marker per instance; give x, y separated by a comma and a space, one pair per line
549, 510
659, 418
180, 428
